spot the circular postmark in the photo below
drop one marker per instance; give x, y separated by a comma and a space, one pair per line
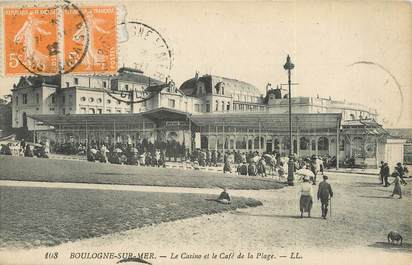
147, 57
390, 86
36, 38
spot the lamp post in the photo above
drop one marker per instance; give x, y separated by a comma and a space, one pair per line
289, 66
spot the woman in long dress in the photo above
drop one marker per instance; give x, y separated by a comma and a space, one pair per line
397, 188
306, 197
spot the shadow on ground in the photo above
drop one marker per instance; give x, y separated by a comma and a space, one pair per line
378, 197
276, 215
405, 247
365, 184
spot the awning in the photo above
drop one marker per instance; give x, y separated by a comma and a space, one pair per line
271, 121
160, 114
363, 127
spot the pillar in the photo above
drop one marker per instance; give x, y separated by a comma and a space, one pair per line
208, 137
114, 132
337, 146
310, 146
217, 137
376, 151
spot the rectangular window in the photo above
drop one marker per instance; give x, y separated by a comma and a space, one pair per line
64, 111
24, 98
37, 98
126, 87
67, 84
17, 100
172, 103
64, 99
104, 84
76, 81
197, 107
207, 107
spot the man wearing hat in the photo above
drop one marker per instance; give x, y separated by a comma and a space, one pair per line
324, 191
385, 174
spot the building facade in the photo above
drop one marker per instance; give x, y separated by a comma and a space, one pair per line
205, 112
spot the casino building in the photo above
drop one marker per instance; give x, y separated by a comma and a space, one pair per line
204, 112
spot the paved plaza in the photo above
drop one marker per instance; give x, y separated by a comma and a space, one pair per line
362, 215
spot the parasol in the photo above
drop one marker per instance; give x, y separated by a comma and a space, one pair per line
305, 172
93, 151
134, 150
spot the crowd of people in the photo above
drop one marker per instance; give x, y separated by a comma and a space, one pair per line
21, 148
399, 174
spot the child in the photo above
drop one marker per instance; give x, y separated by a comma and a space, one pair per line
224, 197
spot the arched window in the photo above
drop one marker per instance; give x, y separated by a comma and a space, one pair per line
240, 142
323, 144
256, 143
304, 143
276, 145
232, 143
250, 144
285, 144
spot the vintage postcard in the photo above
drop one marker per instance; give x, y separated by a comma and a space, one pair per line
205, 132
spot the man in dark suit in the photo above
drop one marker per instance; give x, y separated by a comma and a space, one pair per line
385, 174
324, 191
381, 172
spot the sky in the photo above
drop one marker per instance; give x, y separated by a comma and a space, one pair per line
249, 41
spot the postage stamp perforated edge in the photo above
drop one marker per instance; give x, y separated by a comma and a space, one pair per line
3, 38
60, 23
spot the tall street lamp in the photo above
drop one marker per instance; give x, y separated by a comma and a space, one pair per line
289, 66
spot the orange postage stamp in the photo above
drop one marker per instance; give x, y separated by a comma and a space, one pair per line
30, 40
60, 39
94, 31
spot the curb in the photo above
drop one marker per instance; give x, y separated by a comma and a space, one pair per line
353, 172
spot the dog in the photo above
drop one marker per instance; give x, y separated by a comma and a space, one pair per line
395, 238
